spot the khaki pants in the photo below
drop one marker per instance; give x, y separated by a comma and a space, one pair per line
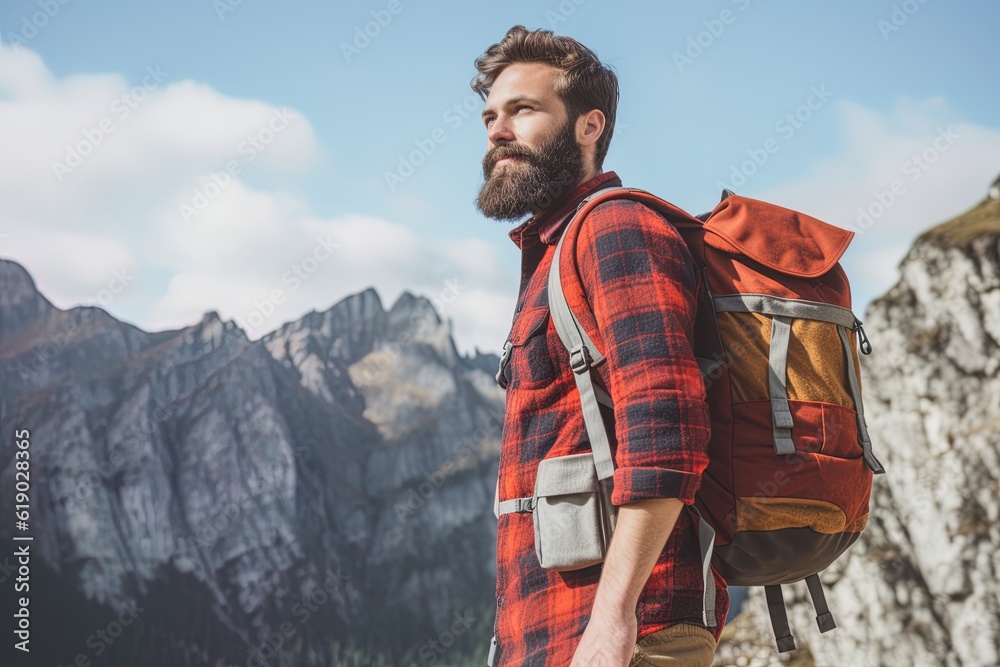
680, 645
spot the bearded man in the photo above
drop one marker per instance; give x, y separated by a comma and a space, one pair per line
549, 116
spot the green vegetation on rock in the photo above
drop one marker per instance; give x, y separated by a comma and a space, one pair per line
981, 220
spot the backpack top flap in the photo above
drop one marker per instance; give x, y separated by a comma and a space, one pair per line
779, 238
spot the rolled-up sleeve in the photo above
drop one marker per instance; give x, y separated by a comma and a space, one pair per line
641, 282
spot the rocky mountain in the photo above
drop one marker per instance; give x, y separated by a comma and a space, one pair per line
921, 585
280, 501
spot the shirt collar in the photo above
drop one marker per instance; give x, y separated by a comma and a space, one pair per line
545, 226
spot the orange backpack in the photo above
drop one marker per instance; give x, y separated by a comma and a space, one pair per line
790, 467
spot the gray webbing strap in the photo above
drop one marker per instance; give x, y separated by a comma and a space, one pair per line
855, 385
496, 498
493, 652
776, 306
583, 355
824, 619
706, 542
516, 505
779, 619
598, 191
781, 415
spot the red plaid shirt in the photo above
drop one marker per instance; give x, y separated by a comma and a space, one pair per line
638, 309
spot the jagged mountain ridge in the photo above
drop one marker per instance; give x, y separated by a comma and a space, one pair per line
258, 468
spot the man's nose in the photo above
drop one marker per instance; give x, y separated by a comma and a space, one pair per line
500, 131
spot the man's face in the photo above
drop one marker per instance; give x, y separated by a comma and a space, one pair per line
532, 155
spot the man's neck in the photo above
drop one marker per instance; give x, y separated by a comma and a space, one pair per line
589, 174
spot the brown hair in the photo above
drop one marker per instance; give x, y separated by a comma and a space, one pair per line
585, 83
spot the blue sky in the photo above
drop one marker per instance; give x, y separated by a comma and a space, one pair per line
311, 114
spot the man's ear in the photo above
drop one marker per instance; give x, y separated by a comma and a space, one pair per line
589, 128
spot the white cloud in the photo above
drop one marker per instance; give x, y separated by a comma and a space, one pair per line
99, 174
79, 149
941, 166
252, 260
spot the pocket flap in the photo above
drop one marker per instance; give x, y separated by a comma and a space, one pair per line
561, 475
529, 322
787, 241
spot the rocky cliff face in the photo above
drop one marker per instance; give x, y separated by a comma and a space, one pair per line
921, 585
348, 457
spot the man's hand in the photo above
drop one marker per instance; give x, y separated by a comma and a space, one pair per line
607, 642
641, 531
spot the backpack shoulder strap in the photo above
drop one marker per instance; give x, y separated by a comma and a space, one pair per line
583, 353
584, 356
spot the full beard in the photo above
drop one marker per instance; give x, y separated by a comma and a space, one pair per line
534, 180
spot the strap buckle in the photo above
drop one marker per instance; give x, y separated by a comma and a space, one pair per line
524, 505
517, 505
580, 360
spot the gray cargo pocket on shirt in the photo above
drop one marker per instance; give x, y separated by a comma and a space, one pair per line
569, 513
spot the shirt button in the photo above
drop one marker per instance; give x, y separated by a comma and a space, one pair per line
519, 307
500, 601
